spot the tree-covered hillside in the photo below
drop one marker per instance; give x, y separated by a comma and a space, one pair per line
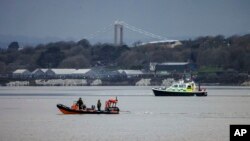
207, 52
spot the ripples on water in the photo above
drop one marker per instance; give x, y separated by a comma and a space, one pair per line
30, 113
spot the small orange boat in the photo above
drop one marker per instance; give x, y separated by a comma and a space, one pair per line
110, 108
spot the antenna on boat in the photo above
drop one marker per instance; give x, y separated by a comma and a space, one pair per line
199, 86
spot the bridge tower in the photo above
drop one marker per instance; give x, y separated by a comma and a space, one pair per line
118, 33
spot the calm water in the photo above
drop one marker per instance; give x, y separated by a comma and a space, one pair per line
30, 113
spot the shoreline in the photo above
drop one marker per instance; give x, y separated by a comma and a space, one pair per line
99, 82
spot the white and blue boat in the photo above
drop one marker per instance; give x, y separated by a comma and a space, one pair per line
180, 89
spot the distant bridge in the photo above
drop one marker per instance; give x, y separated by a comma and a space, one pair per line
119, 33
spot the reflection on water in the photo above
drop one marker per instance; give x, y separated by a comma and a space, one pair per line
30, 113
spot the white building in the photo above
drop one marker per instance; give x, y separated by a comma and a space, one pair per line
102, 73
131, 73
60, 73
39, 73
21, 73
81, 73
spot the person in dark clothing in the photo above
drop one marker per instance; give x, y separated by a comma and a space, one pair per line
80, 103
99, 104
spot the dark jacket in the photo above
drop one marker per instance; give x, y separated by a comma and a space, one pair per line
80, 103
99, 104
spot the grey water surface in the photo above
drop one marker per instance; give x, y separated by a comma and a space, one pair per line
30, 114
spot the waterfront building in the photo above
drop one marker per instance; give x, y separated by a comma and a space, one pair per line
21, 73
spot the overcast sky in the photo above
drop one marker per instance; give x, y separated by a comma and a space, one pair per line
77, 19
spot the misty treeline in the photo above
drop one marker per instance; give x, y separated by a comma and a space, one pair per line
232, 53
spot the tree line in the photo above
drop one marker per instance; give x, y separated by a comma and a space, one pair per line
208, 53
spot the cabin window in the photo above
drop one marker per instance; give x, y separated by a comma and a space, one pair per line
181, 86
188, 87
175, 86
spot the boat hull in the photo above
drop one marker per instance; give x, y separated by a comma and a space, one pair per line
66, 110
158, 92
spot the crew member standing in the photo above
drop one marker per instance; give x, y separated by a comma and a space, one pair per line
99, 104
80, 103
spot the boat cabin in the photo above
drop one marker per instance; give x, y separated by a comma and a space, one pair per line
184, 87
